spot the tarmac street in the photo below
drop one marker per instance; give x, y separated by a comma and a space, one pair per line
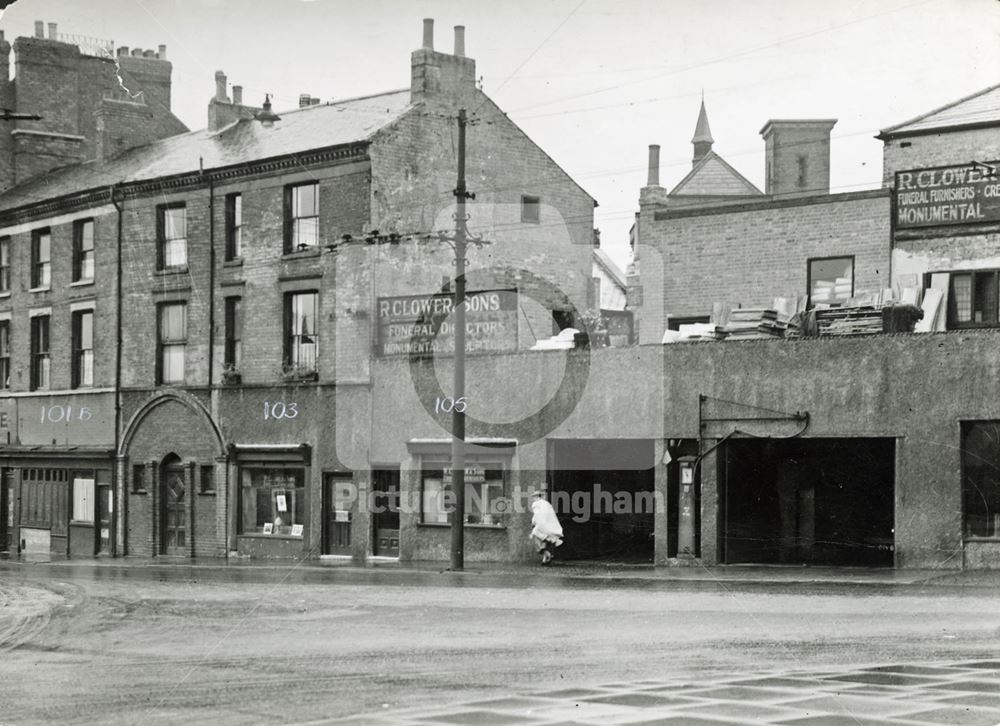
88, 642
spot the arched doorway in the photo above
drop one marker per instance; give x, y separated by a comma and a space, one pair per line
173, 489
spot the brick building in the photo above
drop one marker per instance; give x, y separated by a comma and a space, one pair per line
864, 449
58, 278
253, 313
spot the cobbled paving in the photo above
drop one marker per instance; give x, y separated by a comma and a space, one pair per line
963, 693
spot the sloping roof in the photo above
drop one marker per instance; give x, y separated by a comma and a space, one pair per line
298, 131
713, 176
982, 107
602, 259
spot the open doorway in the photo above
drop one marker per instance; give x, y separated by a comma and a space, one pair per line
807, 501
603, 492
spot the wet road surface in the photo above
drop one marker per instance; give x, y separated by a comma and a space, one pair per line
280, 645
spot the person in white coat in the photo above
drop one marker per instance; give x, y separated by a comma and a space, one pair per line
546, 530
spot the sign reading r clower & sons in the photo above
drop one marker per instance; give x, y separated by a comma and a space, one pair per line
422, 324
966, 194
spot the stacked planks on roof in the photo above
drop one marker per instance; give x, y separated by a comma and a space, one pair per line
862, 320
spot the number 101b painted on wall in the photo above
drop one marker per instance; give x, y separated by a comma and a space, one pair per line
59, 414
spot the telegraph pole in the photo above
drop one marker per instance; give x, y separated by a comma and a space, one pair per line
458, 412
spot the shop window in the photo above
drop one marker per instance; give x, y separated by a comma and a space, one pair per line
138, 478
40, 356
273, 501
485, 497
207, 481
83, 250
4, 264
41, 258
83, 496
981, 478
172, 338
531, 209
301, 334
234, 226
301, 216
831, 281
83, 348
4, 354
973, 299
171, 235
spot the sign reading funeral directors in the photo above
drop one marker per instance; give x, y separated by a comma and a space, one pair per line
406, 324
947, 195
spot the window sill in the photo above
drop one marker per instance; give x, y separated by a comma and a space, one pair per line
4, 295
82, 283
259, 535
140, 492
235, 262
302, 254
982, 538
81, 523
210, 493
468, 525
181, 270
40, 289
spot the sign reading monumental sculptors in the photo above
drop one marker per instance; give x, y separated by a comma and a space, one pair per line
948, 195
406, 324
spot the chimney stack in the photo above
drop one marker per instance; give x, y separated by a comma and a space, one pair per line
122, 50
161, 52
137, 52
460, 41
220, 87
149, 54
653, 178
429, 33
238, 95
304, 100
797, 156
52, 31
39, 29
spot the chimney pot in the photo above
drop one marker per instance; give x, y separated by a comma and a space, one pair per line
137, 52
429, 33
39, 29
123, 50
220, 86
303, 100
52, 31
460, 41
148, 54
238, 95
653, 179
161, 52
314, 102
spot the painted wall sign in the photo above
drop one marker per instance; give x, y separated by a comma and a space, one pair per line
406, 324
86, 419
949, 195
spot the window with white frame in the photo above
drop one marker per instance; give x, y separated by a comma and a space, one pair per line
172, 342
171, 231
301, 216
83, 497
83, 250
301, 333
83, 348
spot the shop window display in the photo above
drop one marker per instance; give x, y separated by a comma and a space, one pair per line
485, 503
273, 502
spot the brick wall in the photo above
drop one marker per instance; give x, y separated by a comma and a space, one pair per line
938, 149
751, 254
61, 294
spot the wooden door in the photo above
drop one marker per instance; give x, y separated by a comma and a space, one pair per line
174, 505
337, 489
385, 519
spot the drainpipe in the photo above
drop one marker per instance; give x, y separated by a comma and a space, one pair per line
211, 275
119, 479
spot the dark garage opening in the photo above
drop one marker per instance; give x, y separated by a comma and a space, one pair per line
807, 501
603, 492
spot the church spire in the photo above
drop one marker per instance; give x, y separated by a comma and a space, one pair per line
702, 135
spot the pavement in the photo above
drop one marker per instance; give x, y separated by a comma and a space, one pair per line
965, 693
514, 574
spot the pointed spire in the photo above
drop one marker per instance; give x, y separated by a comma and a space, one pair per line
702, 134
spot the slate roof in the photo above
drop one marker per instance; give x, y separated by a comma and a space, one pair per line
299, 130
982, 107
713, 176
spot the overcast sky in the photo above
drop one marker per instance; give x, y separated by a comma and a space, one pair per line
593, 82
